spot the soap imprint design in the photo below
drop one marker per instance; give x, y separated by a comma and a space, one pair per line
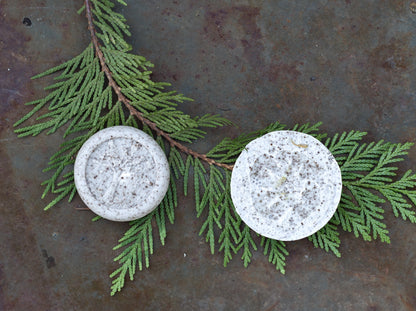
118, 170
283, 189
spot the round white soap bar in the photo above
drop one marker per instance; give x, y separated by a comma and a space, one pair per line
286, 185
121, 173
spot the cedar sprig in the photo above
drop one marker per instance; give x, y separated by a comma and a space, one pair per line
370, 185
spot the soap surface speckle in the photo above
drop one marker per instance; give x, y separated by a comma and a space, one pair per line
121, 173
286, 185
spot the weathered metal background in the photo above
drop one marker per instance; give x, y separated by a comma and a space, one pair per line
350, 64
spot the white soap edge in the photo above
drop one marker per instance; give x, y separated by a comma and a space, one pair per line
163, 174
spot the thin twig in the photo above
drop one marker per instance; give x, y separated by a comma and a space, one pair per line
121, 98
82, 208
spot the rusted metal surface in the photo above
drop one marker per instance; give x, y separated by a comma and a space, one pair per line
349, 64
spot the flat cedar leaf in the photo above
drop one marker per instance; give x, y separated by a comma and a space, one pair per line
327, 238
211, 201
189, 163
231, 234
276, 252
247, 244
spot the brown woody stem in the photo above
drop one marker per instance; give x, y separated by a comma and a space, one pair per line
121, 98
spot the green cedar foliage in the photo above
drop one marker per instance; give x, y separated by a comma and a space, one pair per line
369, 181
83, 101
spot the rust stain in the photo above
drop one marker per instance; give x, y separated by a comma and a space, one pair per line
398, 5
252, 41
215, 28
165, 73
18, 244
388, 61
236, 28
284, 72
409, 306
14, 80
384, 72
220, 29
273, 306
2, 285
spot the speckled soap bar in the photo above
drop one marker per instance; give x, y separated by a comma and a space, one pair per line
121, 173
286, 185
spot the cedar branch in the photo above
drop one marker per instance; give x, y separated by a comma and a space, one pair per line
121, 98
